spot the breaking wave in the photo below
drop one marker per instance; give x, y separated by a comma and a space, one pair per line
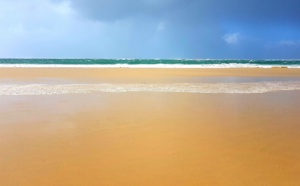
147, 63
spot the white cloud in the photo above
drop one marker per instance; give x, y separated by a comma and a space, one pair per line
283, 44
161, 27
46, 28
232, 39
289, 43
26, 17
53, 28
64, 8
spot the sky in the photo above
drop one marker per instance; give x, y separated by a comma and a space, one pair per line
202, 29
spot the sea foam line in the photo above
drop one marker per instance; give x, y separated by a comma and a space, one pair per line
200, 88
230, 65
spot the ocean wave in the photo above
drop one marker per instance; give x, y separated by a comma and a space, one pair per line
148, 63
200, 88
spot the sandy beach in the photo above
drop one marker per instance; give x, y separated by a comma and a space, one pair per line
149, 138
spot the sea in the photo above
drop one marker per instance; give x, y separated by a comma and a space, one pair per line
150, 63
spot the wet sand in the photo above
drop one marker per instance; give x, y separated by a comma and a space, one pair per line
136, 74
149, 138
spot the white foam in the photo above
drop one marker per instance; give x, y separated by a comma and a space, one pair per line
231, 65
200, 88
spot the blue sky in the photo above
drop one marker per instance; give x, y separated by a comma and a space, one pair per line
257, 29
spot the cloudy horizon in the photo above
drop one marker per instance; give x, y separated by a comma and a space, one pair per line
206, 29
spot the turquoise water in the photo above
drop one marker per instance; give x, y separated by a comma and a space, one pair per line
151, 62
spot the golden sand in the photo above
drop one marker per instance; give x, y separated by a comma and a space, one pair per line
149, 138
142, 74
